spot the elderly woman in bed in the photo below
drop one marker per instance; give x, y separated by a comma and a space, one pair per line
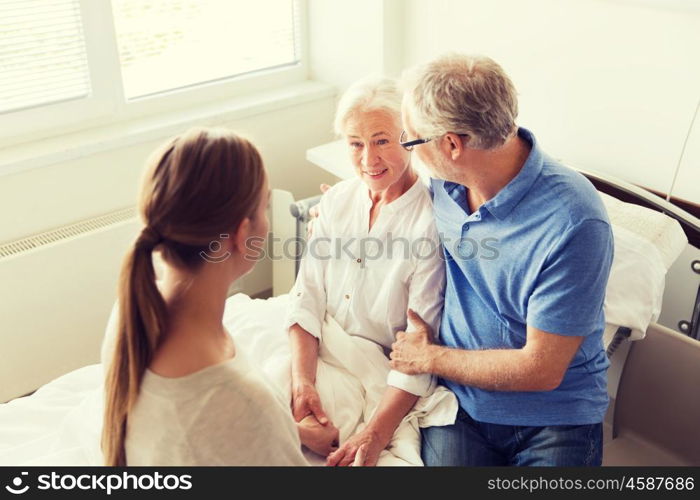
373, 255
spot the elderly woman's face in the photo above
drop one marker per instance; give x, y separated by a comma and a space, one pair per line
373, 141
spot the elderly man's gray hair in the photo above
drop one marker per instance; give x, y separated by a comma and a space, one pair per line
463, 94
369, 94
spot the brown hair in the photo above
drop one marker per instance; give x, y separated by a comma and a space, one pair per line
198, 186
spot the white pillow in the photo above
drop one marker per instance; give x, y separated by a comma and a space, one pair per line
646, 244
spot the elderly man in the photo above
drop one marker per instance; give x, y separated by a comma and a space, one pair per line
528, 248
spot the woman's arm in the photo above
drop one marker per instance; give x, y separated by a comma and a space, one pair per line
305, 399
394, 406
307, 307
316, 432
425, 296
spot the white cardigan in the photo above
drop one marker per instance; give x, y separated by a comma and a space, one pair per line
367, 279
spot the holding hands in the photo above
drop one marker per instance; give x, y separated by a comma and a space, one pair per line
319, 438
362, 449
315, 430
306, 401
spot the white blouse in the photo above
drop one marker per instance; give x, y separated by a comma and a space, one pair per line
367, 279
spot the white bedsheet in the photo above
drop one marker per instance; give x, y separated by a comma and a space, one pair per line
60, 424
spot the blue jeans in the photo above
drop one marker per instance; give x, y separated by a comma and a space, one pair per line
468, 442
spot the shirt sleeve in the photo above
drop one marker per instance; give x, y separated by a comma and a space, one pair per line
307, 301
425, 297
570, 289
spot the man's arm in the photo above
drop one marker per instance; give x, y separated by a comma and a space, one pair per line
540, 365
567, 301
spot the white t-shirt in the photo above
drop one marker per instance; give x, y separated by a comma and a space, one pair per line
368, 278
225, 414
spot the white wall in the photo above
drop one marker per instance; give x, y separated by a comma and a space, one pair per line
605, 85
349, 40
43, 198
687, 183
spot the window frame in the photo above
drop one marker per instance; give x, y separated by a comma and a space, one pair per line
106, 103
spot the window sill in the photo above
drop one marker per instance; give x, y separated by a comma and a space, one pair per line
57, 149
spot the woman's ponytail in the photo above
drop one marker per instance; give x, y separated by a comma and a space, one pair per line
142, 318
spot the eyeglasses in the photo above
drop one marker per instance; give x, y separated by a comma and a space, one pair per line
409, 145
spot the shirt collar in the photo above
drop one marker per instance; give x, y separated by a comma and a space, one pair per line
509, 196
400, 202
458, 193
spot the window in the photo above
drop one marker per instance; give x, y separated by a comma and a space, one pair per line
42, 57
173, 44
70, 64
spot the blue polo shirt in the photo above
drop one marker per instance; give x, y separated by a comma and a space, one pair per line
538, 253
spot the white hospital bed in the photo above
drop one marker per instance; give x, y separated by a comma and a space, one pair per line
653, 418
